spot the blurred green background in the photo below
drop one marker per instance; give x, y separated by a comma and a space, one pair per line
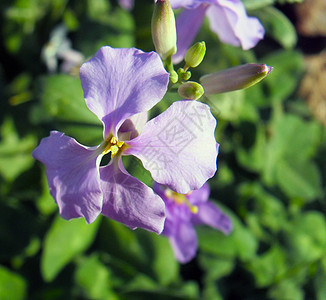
272, 162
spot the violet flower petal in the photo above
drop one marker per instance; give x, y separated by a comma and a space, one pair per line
73, 176
127, 4
129, 201
119, 83
199, 196
209, 214
187, 25
133, 126
229, 20
178, 147
184, 242
191, 4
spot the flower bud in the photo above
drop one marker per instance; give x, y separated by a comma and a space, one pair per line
190, 90
236, 78
195, 54
183, 75
163, 29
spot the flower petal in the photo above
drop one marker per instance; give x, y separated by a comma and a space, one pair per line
133, 126
127, 4
73, 176
184, 242
211, 215
178, 147
199, 196
129, 201
119, 83
185, 3
229, 20
187, 23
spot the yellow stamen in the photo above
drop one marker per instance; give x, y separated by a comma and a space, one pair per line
181, 199
113, 146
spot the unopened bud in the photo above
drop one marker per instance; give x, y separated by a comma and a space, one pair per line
183, 75
190, 90
236, 78
195, 54
163, 29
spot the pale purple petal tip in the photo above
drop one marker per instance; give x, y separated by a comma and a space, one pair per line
229, 20
209, 214
127, 4
199, 196
184, 242
73, 176
119, 83
129, 201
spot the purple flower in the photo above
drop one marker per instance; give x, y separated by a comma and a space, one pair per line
127, 4
178, 147
227, 18
183, 212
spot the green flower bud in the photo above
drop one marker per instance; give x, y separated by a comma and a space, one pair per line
163, 29
183, 75
195, 54
236, 78
190, 90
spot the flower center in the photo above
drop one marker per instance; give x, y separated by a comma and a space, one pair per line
181, 199
113, 146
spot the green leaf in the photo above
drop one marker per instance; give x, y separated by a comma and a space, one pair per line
115, 29
306, 236
123, 243
143, 287
15, 152
215, 267
63, 99
256, 4
12, 286
278, 26
286, 289
232, 106
67, 107
95, 278
45, 202
165, 265
287, 69
285, 143
299, 179
320, 286
268, 267
63, 242
254, 158
211, 291
241, 243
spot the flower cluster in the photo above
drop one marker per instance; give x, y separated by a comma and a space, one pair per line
177, 147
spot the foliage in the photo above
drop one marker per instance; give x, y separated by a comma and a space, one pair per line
271, 178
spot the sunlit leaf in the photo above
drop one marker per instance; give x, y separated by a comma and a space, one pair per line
164, 260
12, 286
95, 278
278, 26
299, 179
15, 151
240, 243
307, 237
63, 242
269, 266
